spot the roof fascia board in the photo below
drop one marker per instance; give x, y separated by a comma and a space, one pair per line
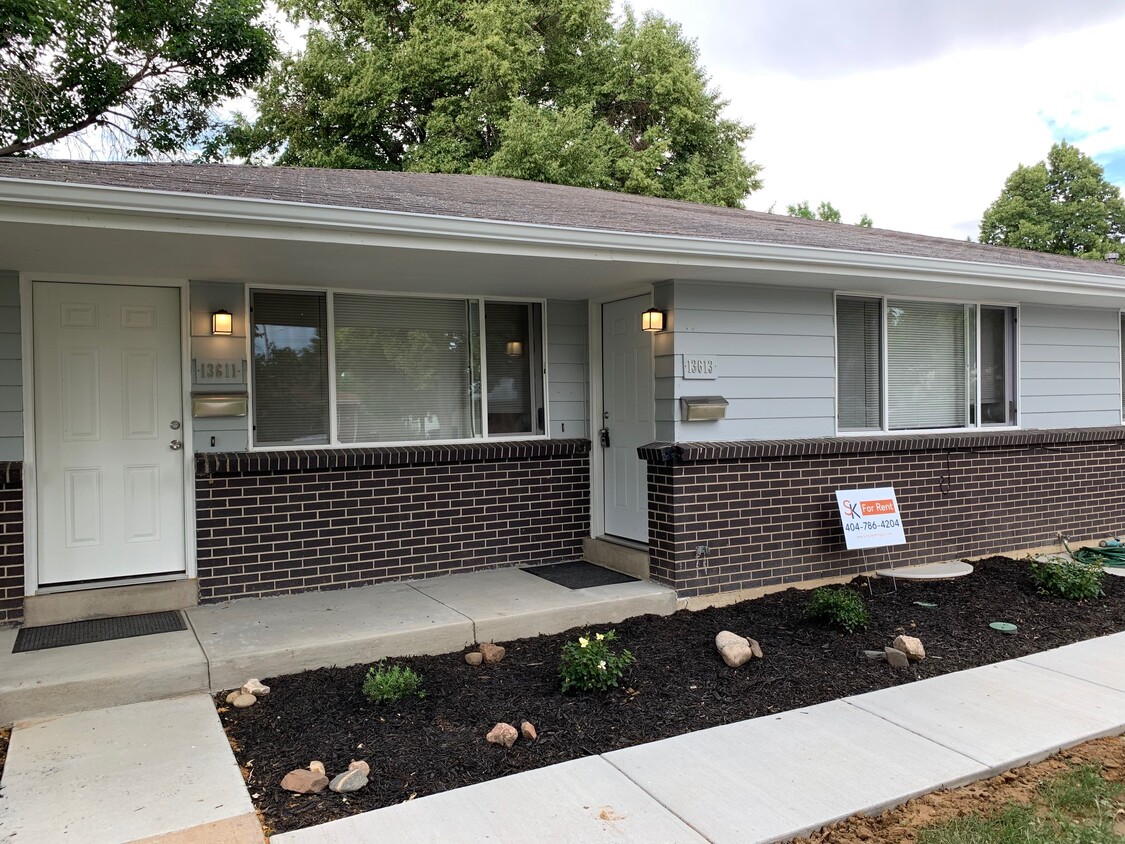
62, 203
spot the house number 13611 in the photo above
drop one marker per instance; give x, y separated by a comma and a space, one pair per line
218, 372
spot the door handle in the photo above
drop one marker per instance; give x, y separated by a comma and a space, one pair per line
176, 445
603, 435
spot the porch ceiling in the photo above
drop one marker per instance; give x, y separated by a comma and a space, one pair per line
373, 251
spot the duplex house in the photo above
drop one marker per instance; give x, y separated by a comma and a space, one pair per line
223, 381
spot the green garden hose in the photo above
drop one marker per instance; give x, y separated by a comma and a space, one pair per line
1113, 556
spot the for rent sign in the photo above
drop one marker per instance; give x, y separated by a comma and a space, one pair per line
870, 517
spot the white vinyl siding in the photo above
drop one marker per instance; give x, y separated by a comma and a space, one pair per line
11, 373
568, 368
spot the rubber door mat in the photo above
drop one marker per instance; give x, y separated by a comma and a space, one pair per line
579, 575
97, 630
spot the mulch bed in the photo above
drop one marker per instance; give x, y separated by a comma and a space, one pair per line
678, 684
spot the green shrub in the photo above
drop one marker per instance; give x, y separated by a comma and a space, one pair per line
589, 665
1069, 578
383, 684
839, 606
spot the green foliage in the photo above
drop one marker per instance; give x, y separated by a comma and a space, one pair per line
1076, 807
384, 684
825, 212
547, 90
590, 665
1068, 578
1062, 205
839, 606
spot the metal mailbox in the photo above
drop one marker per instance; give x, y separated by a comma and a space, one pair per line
702, 408
218, 404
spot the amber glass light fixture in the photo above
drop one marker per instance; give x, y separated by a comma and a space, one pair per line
652, 320
222, 323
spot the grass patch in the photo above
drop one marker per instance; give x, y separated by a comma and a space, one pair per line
1076, 807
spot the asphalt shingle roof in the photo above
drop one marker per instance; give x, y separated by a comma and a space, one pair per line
511, 200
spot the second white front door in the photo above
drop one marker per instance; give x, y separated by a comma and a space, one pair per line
629, 417
109, 478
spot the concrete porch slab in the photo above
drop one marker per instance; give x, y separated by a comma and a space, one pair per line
267, 637
126, 774
1100, 661
1001, 715
511, 603
60, 680
773, 778
583, 800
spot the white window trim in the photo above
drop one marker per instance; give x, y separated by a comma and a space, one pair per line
885, 430
334, 444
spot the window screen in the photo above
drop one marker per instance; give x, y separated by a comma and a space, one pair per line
859, 368
290, 368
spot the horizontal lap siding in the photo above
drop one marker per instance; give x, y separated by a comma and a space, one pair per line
1070, 369
769, 521
267, 533
568, 370
11, 369
775, 351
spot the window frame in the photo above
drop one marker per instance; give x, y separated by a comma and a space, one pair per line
334, 442
884, 386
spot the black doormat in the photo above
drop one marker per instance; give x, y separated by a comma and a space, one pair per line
97, 630
579, 575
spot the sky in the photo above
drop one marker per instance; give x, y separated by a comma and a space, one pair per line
911, 111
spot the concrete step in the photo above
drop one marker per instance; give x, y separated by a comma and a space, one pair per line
612, 554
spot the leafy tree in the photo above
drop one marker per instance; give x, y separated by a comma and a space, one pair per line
826, 212
1062, 205
147, 70
549, 90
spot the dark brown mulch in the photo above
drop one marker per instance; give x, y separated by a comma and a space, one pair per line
678, 684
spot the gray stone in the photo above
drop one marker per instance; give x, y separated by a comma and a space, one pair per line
474, 658
244, 700
755, 648
491, 653
302, 781
896, 658
876, 655
255, 687
502, 733
351, 780
910, 646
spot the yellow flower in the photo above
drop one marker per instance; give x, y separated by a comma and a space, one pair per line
583, 641
599, 636
601, 665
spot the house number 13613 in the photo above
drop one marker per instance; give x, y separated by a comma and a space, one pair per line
703, 368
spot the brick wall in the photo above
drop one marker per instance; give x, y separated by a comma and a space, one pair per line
281, 522
11, 543
766, 510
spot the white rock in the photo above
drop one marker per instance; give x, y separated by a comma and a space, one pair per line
255, 687
244, 700
910, 646
317, 767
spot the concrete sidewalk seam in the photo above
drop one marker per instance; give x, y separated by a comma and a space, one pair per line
851, 702
202, 650
657, 800
1024, 660
468, 618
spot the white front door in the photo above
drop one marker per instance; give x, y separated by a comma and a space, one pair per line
627, 396
109, 478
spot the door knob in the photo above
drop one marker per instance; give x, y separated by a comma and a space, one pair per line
176, 445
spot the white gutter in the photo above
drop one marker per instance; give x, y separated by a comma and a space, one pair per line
133, 209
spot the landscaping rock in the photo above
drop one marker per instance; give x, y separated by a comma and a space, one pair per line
302, 781
474, 658
317, 767
351, 780
876, 655
233, 695
911, 647
896, 658
755, 648
491, 653
360, 766
255, 687
527, 730
502, 733
244, 700
734, 649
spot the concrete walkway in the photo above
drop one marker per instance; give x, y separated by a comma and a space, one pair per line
225, 644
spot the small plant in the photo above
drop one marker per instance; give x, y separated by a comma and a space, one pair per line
840, 607
588, 665
383, 684
1069, 578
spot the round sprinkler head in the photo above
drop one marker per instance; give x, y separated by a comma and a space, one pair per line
1004, 626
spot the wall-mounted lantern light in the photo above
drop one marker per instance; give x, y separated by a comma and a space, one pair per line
514, 349
652, 320
222, 323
